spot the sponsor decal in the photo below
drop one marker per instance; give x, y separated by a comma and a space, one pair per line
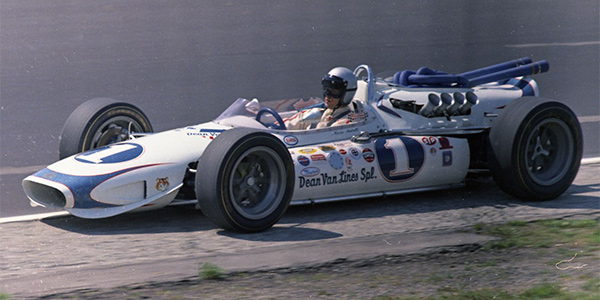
310, 172
355, 153
343, 151
428, 140
290, 140
433, 151
111, 154
364, 175
327, 148
317, 157
49, 175
368, 155
335, 160
307, 151
162, 184
445, 143
206, 133
447, 158
303, 160
348, 161
343, 144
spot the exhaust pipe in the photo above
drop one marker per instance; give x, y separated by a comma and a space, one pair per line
459, 100
430, 106
472, 99
446, 102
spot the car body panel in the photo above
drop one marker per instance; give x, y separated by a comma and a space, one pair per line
388, 149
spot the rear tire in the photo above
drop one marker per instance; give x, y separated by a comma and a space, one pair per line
535, 148
99, 122
245, 180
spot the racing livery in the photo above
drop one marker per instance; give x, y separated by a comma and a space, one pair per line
410, 131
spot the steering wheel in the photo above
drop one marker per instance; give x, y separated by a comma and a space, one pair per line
277, 117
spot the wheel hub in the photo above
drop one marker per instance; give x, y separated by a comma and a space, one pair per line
549, 151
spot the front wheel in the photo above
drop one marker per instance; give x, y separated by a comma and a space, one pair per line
245, 180
535, 148
99, 122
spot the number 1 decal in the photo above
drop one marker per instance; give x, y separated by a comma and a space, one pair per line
399, 158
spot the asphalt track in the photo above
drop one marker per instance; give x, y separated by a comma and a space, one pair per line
183, 62
56, 255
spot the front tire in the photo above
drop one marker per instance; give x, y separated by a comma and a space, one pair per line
535, 148
245, 180
99, 122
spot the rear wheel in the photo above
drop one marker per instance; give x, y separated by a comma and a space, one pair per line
535, 148
99, 122
245, 180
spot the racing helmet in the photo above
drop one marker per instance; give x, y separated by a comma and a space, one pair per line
340, 83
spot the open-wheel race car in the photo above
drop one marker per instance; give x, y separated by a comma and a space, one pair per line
410, 131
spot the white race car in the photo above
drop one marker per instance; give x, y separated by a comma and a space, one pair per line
411, 131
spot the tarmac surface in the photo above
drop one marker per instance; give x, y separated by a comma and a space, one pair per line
64, 254
185, 62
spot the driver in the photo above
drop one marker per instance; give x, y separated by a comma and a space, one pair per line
339, 86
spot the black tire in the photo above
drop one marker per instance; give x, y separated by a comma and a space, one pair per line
535, 148
99, 122
245, 180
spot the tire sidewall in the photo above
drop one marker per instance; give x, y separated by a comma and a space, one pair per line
547, 192
508, 143
85, 121
213, 192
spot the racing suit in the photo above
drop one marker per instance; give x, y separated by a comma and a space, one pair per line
307, 119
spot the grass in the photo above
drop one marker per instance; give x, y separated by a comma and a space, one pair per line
581, 234
209, 271
541, 291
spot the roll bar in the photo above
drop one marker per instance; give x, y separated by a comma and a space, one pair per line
370, 79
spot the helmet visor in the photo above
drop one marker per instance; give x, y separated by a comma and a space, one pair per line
333, 86
331, 92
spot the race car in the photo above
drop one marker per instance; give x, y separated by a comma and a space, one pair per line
412, 130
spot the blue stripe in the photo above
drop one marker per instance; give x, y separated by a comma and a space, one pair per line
82, 186
387, 110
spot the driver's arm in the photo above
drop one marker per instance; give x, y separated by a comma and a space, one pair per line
304, 119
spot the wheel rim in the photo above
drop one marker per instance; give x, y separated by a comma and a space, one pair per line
257, 182
549, 151
114, 130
